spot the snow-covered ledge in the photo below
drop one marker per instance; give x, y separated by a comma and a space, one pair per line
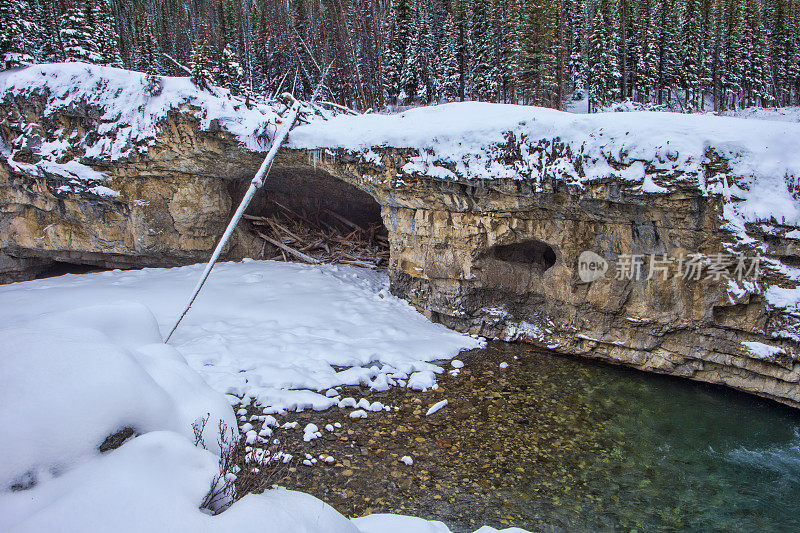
96, 170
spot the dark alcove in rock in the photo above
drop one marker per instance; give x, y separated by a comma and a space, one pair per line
319, 215
537, 254
516, 268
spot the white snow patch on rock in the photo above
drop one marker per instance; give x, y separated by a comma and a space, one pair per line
759, 350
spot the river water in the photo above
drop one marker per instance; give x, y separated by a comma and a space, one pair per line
555, 443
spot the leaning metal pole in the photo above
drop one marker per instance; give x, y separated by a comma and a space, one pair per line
257, 182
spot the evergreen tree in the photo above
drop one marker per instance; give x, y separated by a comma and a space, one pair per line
200, 60
16, 49
462, 14
485, 85
448, 77
603, 82
398, 24
793, 63
411, 71
537, 51
576, 33
77, 35
755, 66
668, 55
633, 49
693, 55
230, 72
648, 64
147, 57
707, 32
45, 34
735, 62
105, 33
781, 53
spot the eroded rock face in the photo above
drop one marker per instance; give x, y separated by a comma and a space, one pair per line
166, 207
496, 258
500, 259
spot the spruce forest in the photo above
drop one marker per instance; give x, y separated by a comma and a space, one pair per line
686, 55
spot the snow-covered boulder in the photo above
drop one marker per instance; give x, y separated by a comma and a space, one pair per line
70, 379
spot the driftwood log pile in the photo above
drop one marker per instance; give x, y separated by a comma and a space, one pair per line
321, 237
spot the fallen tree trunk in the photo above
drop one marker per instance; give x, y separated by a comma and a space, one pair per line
257, 182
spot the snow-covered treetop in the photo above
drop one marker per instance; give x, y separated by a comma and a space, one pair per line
753, 160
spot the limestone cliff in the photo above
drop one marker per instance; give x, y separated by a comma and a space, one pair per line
501, 260
497, 257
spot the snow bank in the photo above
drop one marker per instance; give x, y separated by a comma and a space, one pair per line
130, 118
155, 483
277, 332
651, 150
782, 114
83, 357
69, 379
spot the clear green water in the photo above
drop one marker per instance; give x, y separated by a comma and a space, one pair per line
555, 443
625, 450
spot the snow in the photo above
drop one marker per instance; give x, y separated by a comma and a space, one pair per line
782, 297
266, 330
436, 407
759, 350
102, 190
387, 523
84, 357
781, 114
129, 119
155, 483
70, 378
422, 380
652, 150
311, 432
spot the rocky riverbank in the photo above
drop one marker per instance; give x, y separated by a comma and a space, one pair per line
545, 442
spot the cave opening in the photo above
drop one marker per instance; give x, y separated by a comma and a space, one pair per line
318, 218
53, 269
533, 253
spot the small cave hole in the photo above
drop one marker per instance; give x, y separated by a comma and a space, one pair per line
534, 252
